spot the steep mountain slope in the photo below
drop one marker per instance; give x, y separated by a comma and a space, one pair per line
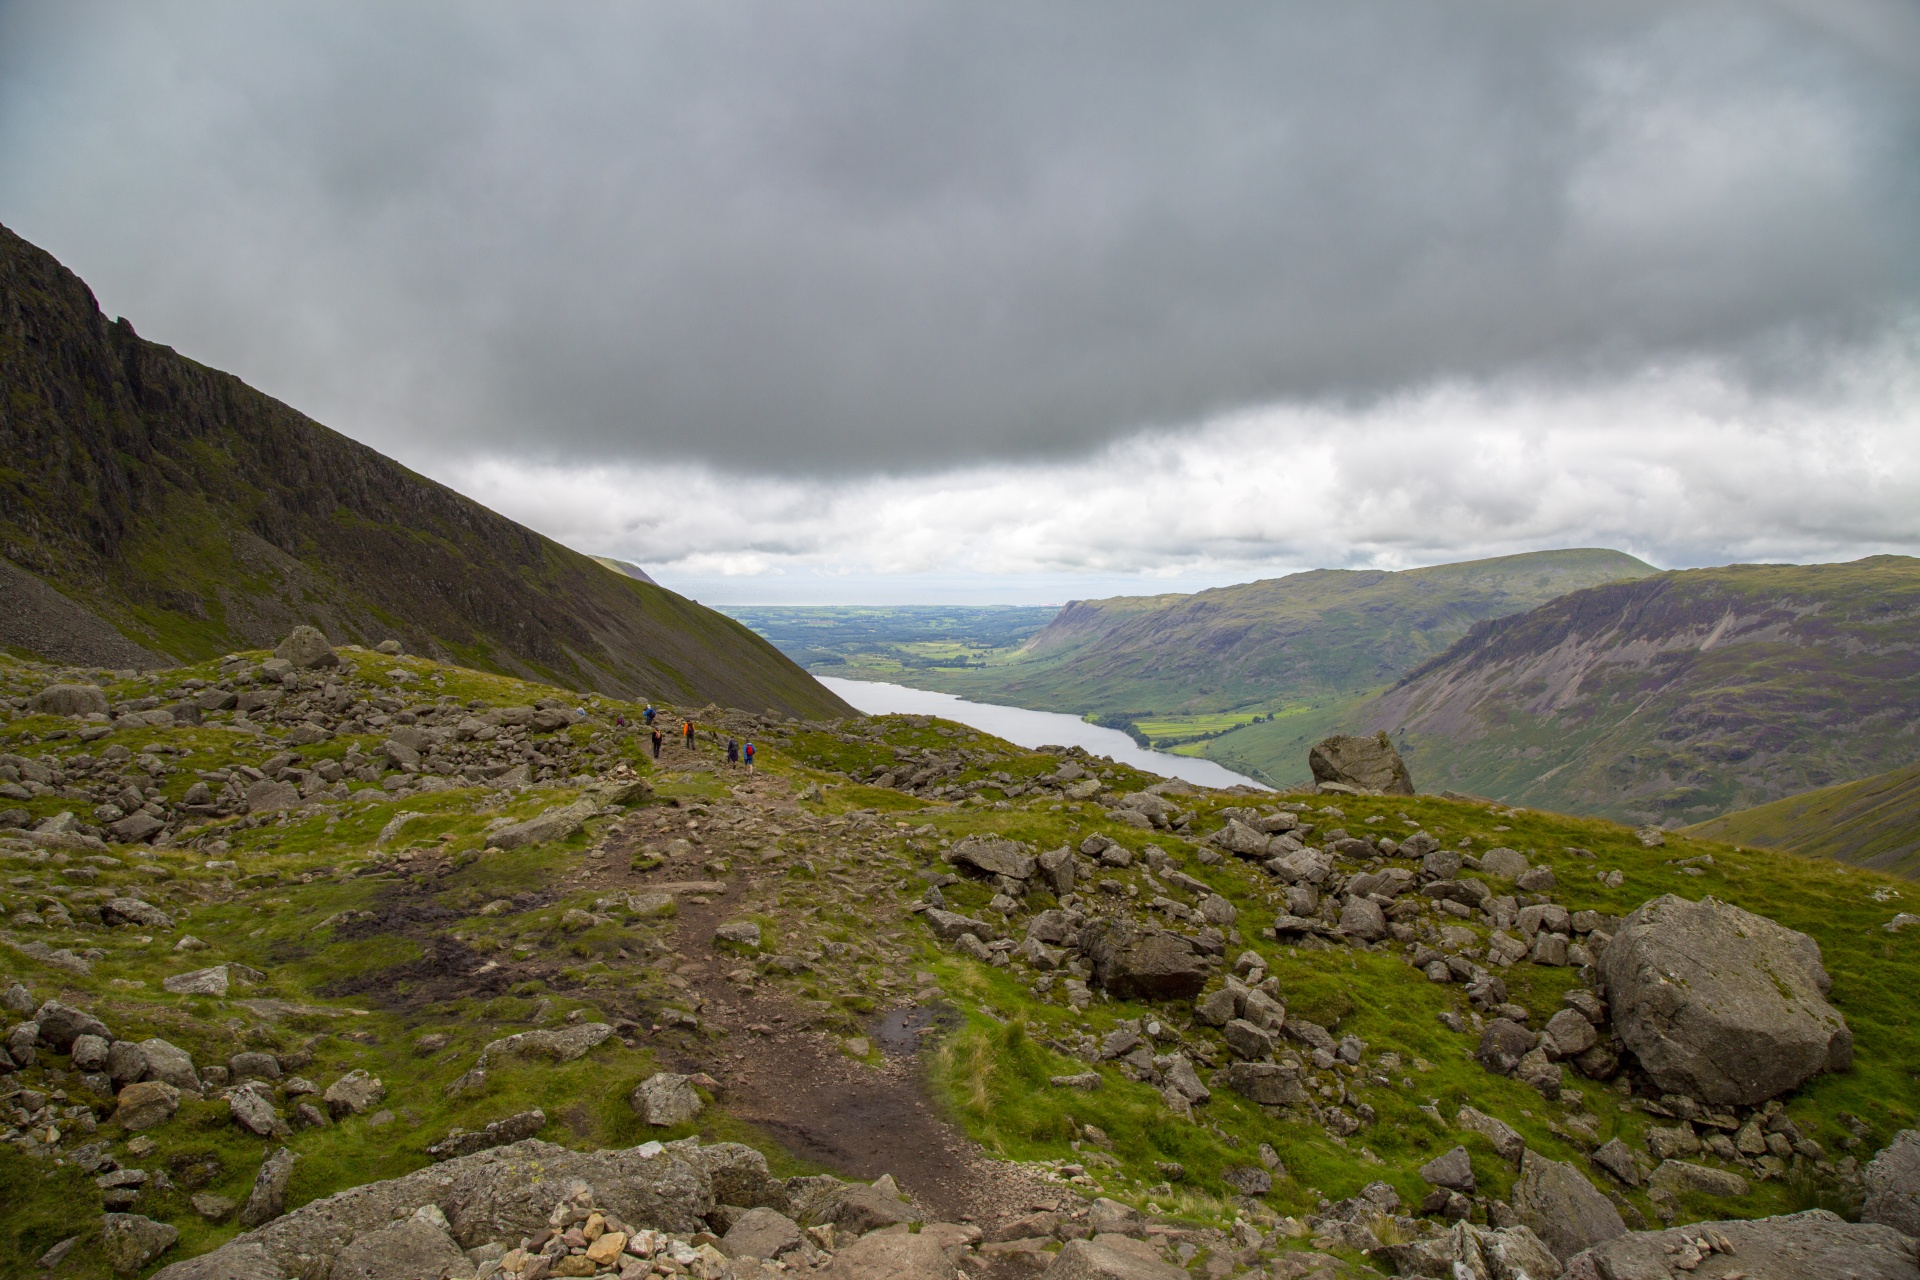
1325, 632
197, 515
1874, 822
1675, 697
627, 567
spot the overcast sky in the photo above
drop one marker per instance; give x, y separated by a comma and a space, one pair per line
894, 300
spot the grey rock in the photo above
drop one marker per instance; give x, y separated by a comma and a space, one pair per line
1677, 1177
891, 1257
130, 1241
948, 926
739, 1176
493, 1195
268, 1199
418, 1247
1362, 918
555, 824
1111, 1257
1441, 864
665, 1099
134, 911
1503, 1044
860, 1209
1569, 1034
200, 982
69, 700
1139, 962
306, 649
555, 1045
168, 1062
61, 1025
1370, 764
90, 1052
1815, 1245
1617, 1158
136, 827
1247, 1040
272, 797
146, 1104
741, 933
357, 1091
1058, 868
1721, 1004
254, 1065
1564, 1209
1453, 1170
214, 1208
17, 999
1248, 1180
1892, 1182
1217, 1008
760, 1233
1269, 1084
992, 856
499, 1133
1468, 1252
1508, 864
251, 1106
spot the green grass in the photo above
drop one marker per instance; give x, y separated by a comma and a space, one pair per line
1874, 822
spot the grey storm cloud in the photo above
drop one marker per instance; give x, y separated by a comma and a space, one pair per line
834, 236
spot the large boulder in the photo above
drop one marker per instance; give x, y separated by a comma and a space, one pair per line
1721, 1004
419, 1246
555, 824
61, 1025
69, 700
992, 856
306, 648
1369, 764
501, 1194
1892, 1182
1815, 1245
739, 1175
130, 1241
1561, 1207
1111, 1257
891, 1257
1139, 962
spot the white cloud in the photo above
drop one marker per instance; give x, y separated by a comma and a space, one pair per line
1682, 466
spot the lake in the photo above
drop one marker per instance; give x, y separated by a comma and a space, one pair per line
1031, 729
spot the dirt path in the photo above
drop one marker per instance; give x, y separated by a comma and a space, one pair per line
801, 1088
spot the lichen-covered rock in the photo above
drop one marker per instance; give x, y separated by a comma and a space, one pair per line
1815, 1245
130, 1241
146, 1104
1369, 764
665, 1099
69, 700
1721, 1004
1111, 1257
556, 1045
891, 1257
992, 856
307, 649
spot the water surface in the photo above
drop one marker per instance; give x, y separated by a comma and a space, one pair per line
1031, 728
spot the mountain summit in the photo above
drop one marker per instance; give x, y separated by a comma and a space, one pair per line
155, 510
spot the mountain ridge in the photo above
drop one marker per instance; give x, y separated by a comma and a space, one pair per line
194, 514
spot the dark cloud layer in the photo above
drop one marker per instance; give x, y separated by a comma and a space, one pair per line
839, 236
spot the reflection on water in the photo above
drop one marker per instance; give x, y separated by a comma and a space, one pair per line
1031, 728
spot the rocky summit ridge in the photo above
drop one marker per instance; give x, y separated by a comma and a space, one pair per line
410, 969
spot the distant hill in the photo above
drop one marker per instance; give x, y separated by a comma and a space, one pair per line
624, 566
152, 506
1874, 822
1677, 697
1327, 632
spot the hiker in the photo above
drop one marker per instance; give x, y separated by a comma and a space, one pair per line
656, 743
733, 750
647, 715
749, 755
688, 728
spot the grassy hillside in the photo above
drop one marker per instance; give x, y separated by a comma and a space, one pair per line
1675, 698
181, 511
381, 930
1874, 822
901, 644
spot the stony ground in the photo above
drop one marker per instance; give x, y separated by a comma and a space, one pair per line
394, 863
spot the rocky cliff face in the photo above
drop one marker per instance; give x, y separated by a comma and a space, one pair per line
197, 515
1675, 697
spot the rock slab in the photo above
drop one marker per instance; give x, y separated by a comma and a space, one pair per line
1370, 764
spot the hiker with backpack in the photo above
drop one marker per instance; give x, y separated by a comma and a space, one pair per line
733, 751
656, 743
749, 755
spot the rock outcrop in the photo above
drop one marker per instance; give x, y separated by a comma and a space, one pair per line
1561, 1207
1815, 1245
1892, 1183
1720, 1004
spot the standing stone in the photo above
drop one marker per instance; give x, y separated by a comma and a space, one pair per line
306, 648
1370, 764
1721, 1004
1562, 1207
1893, 1185
268, 1199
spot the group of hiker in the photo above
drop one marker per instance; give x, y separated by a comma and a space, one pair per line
736, 753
